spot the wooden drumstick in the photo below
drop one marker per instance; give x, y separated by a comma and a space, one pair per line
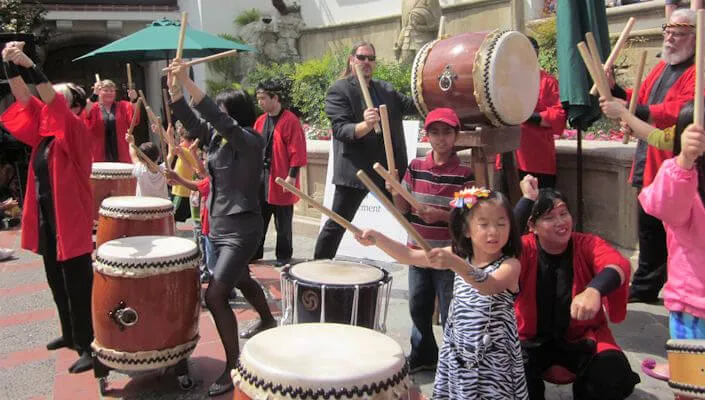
699, 42
589, 64
97, 78
129, 76
387, 135
207, 59
163, 143
389, 178
365, 91
320, 207
167, 110
635, 93
599, 72
441, 27
133, 122
151, 165
616, 49
361, 175
180, 45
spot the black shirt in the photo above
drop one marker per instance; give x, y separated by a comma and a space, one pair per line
111, 151
554, 287
42, 183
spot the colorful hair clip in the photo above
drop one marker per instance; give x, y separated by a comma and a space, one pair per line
469, 197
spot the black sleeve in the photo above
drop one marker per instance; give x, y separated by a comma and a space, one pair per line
191, 121
340, 113
642, 112
618, 92
522, 212
222, 122
535, 119
294, 171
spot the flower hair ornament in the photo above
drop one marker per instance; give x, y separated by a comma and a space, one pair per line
469, 197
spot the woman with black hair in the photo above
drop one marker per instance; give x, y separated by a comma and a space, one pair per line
234, 164
565, 276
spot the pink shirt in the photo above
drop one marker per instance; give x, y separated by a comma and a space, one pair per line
673, 198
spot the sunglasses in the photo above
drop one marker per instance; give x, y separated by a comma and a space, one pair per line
362, 57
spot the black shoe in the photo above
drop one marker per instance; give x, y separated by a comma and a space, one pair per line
257, 328
416, 366
216, 389
282, 262
59, 343
84, 363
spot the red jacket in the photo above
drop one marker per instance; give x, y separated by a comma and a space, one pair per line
69, 172
590, 255
288, 150
123, 117
663, 114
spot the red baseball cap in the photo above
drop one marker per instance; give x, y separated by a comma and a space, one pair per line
445, 115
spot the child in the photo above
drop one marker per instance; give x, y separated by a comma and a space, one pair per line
152, 184
183, 167
480, 357
432, 180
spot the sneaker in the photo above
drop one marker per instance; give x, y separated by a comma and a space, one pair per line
416, 366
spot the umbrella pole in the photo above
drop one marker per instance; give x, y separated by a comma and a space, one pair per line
579, 224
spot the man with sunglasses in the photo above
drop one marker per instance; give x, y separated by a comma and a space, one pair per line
355, 144
668, 86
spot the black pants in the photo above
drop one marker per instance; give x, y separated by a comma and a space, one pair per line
71, 283
650, 275
283, 217
346, 201
603, 376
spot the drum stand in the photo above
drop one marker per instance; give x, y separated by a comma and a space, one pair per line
101, 371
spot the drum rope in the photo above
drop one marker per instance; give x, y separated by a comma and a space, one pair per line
124, 269
323, 303
144, 360
126, 213
356, 299
417, 78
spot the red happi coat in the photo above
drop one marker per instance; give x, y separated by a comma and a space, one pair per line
69, 173
663, 114
123, 117
288, 150
591, 254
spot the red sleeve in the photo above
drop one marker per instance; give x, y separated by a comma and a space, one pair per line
22, 121
204, 186
259, 123
554, 114
295, 142
603, 254
666, 114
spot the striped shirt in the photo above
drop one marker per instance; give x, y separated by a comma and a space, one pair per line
434, 185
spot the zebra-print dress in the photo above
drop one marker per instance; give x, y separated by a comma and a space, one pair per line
481, 356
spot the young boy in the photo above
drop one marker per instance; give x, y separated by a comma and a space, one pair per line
183, 167
152, 184
432, 180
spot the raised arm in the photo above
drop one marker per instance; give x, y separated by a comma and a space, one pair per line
339, 110
12, 72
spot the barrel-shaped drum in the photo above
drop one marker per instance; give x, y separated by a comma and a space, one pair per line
145, 302
111, 179
335, 291
686, 363
124, 216
486, 77
321, 361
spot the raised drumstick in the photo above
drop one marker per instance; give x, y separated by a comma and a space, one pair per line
180, 44
389, 178
589, 64
97, 78
597, 69
635, 93
129, 76
616, 49
134, 116
207, 59
365, 91
441, 27
167, 109
387, 135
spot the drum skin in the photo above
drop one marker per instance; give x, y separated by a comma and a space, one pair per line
103, 188
167, 306
110, 228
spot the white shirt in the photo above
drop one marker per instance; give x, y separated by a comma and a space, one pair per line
152, 184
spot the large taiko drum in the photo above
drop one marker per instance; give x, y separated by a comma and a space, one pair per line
145, 302
321, 361
111, 179
124, 216
336, 291
486, 77
686, 362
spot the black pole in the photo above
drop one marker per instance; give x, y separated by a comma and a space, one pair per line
579, 167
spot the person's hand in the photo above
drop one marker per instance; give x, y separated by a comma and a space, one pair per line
692, 146
193, 149
156, 129
170, 135
389, 187
614, 108
625, 128
290, 180
96, 88
586, 305
429, 214
172, 178
132, 95
529, 187
17, 56
371, 117
8, 204
179, 69
367, 238
10, 48
129, 138
442, 258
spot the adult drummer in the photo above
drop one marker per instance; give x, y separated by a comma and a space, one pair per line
108, 120
355, 144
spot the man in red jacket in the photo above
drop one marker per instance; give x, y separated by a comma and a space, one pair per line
284, 154
669, 85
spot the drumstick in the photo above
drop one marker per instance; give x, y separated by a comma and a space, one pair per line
616, 49
699, 42
635, 92
180, 45
151, 115
151, 165
129, 76
441, 27
134, 116
589, 65
97, 78
397, 186
599, 72
167, 110
393, 210
365, 91
320, 207
207, 59
387, 135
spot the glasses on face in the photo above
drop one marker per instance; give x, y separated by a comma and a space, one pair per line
674, 33
363, 57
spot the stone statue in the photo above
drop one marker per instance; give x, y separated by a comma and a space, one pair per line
419, 25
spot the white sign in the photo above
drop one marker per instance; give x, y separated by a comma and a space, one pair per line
371, 214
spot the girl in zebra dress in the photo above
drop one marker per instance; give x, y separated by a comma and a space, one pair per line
481, 356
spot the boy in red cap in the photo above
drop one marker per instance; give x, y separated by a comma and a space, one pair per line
432, 180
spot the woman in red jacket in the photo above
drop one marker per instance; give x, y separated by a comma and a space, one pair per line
108, 120
57, 219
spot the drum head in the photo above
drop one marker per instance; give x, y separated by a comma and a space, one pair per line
146, 255
320, 356
111, 168
329, 272
134, 203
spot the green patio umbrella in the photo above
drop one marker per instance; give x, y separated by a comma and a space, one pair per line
573, 20
158, 41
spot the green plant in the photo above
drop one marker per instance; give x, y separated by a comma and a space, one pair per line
226, 69
399, 75
21, 16
545, 34
248, 16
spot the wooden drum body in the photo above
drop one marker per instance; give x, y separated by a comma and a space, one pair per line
486, 77
336, 291
321, 361
145, 302
124, 216
686, 362
111, 179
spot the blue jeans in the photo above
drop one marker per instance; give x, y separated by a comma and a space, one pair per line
685, 326
210, 256
424, 285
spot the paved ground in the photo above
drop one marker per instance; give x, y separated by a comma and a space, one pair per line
28, 321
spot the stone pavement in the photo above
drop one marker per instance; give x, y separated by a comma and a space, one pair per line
28, 321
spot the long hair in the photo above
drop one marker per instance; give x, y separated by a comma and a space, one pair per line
239, 105
74, 94
460, 225
685, 118
348, 69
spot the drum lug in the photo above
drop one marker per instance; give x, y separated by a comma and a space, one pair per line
446, 78
123, 316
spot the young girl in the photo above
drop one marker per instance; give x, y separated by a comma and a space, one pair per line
481, 357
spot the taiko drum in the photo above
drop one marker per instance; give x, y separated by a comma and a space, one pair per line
111, 179
124, 216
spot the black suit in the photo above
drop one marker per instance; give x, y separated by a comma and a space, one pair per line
345, 107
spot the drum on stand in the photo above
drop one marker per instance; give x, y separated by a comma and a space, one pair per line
124, 216
321, 361
111, 179
336, 291
486, 77
686, 362
145, 302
